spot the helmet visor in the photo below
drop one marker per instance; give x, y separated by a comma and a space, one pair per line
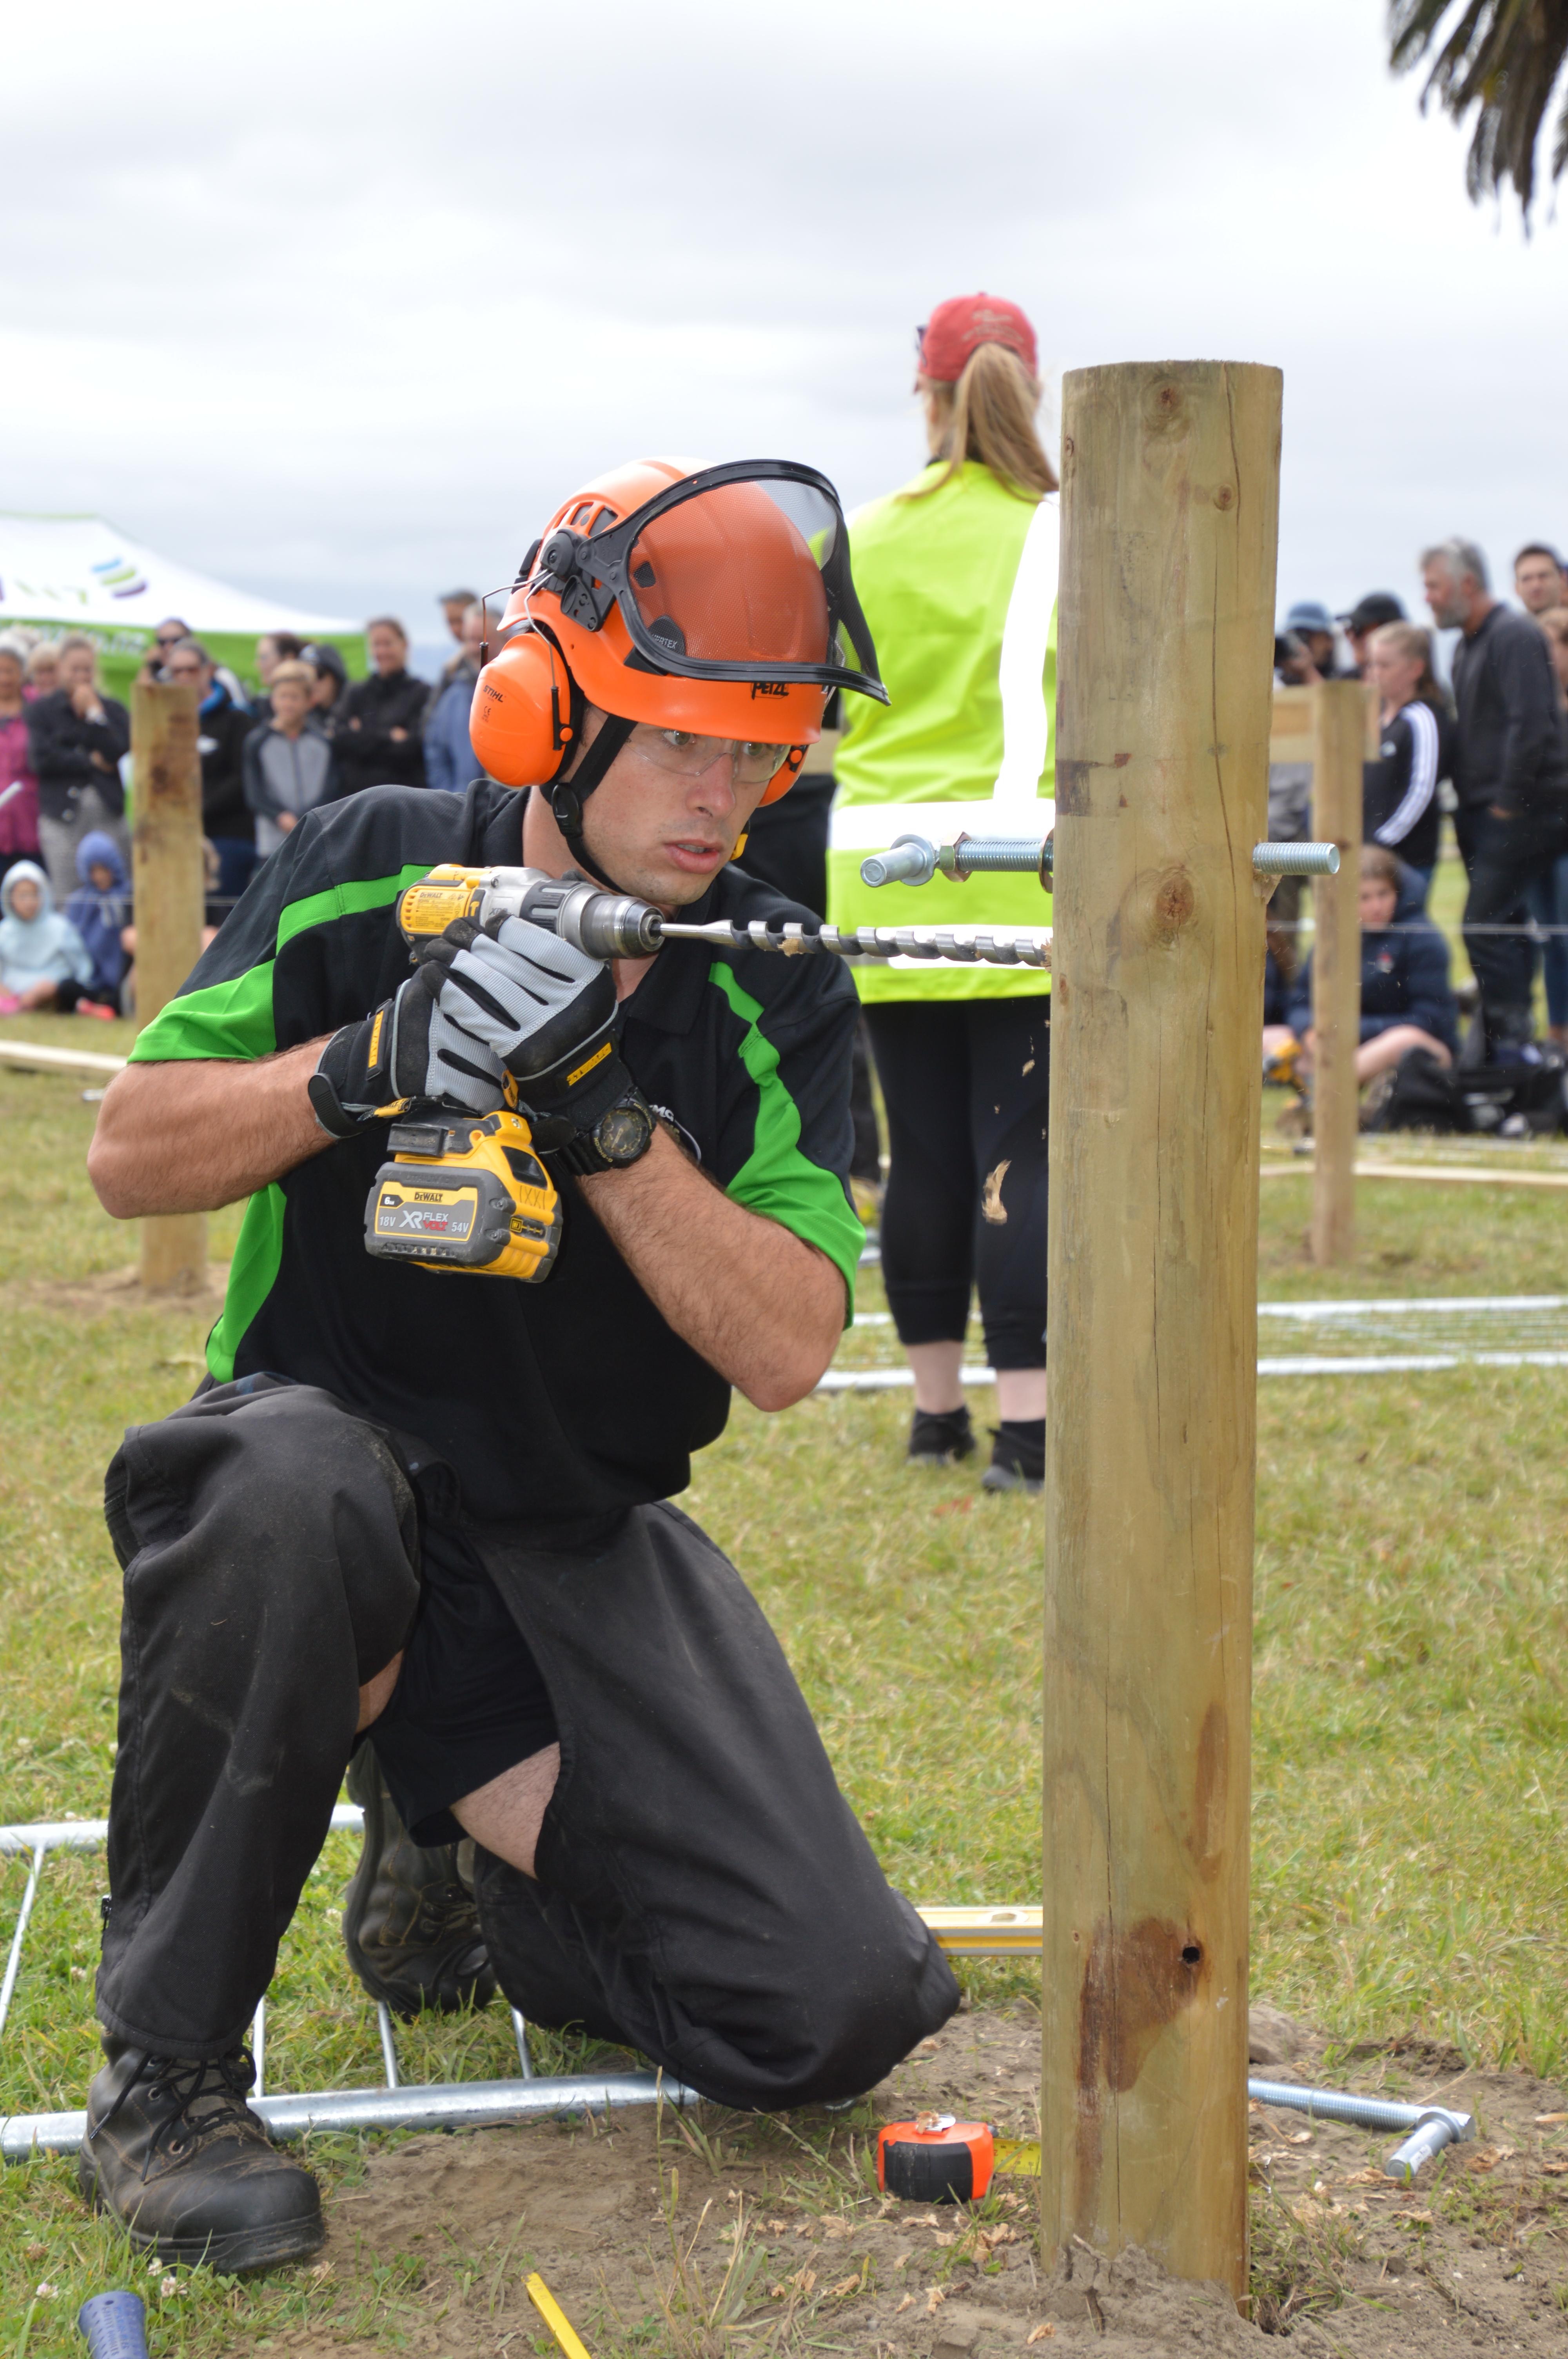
737, 572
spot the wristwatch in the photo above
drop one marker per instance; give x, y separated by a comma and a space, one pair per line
622, 1136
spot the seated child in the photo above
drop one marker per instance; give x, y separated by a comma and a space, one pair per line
99, 910
1407, 1001
43, 959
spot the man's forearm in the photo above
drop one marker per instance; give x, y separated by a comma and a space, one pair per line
190, 1137
763, 1307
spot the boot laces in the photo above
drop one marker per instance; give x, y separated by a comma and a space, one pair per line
217, 2083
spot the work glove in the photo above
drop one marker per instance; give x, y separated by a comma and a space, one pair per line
408, 1048
546, 1009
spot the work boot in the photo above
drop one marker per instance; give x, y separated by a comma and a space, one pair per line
173, 2154
940, 1438
1017, 1455
410, 1926
1510, 1034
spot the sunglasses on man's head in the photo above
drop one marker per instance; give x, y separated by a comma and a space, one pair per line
169, 638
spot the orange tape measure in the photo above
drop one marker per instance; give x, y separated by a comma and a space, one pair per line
935, 2158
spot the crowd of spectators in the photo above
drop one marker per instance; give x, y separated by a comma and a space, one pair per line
1489, 751
305, 736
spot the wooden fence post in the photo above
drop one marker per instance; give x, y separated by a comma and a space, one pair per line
167, 885
1339, 731
1168, 514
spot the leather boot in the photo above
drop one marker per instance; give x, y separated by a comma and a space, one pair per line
410, 1926
176, 2155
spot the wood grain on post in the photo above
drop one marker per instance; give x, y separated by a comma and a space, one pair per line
167, 885
1339, 730
1168, 514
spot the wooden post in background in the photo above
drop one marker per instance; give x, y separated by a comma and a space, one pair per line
166, 884
1339, 731
1169, 505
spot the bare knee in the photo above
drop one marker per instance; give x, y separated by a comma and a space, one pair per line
376, 1692
506, 1815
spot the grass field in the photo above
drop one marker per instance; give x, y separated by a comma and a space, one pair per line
1410, 1763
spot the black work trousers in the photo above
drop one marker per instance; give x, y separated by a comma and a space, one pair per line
704, 1893
1503, 858
967, 1087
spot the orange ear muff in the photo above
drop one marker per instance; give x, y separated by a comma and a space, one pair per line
784, 777
521, 724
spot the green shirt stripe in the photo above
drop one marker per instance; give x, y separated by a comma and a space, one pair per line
776, 1180
234, 1020
346, 900
258, 1257
226, 1021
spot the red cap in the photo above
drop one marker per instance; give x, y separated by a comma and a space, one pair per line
957, 327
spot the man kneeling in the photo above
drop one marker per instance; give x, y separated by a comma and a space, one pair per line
436, 1511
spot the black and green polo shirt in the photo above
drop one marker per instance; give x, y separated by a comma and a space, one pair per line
551, 1401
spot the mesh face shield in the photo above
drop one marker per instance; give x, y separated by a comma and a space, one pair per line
739, 572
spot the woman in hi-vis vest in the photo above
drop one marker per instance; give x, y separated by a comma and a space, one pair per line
957, 576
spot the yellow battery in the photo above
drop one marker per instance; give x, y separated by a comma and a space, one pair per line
462, 1193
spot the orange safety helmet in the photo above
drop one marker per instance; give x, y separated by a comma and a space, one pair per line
705, 599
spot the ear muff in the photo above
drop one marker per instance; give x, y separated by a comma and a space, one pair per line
784, 777
523, 725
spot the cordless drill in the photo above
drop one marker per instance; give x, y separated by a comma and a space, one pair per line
470, 1192
463, 1192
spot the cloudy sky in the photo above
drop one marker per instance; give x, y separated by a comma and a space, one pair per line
337, 302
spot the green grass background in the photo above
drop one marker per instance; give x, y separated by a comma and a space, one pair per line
1411, 1871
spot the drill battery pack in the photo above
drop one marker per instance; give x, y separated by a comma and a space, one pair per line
465, 1192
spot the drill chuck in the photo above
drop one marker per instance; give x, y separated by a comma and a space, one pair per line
603, 925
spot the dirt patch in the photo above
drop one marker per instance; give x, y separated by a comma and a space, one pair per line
112, 1289
727, 2234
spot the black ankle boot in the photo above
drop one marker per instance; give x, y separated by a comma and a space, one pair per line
1017, 1455
410, 1926
940, 1438
176, 2155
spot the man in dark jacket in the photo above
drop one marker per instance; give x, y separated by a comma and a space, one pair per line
221, 731
1511, 778
1407, 1001
378, 738
450, 758
78, 739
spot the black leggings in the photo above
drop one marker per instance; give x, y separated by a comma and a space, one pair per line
967, 1084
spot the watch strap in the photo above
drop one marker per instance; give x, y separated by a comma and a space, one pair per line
582, 1154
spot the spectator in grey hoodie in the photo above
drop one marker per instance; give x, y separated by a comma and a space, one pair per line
289, 762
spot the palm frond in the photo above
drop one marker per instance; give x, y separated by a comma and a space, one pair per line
1501, 57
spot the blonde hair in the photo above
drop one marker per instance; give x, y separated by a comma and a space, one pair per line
1381, 867
989, 415
41, 652
301, 675
1410, 639
1555, 623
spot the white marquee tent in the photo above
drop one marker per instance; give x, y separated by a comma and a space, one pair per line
61, 572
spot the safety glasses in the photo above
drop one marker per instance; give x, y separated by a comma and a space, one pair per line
751, 764
735, 572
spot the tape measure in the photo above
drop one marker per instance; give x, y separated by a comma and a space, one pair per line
935, 2158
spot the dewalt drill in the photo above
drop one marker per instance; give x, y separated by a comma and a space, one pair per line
469, 1192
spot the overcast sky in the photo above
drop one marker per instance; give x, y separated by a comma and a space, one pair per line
337, 302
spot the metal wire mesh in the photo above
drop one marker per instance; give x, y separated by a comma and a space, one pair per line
1306, 1339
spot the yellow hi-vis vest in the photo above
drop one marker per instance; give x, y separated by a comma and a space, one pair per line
959, 592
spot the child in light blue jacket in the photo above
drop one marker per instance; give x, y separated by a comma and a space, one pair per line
43, 962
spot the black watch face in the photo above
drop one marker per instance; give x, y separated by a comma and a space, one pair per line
624, 1133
